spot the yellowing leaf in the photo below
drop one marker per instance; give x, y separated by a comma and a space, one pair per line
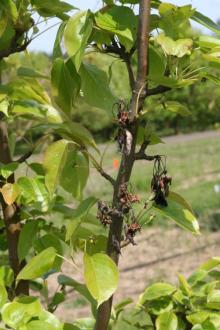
172, 47
10, 192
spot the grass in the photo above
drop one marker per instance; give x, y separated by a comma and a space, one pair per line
193, 165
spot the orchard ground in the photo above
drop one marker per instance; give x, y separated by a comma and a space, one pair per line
162, 250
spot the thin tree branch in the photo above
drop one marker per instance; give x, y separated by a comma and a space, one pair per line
23, 158
139, 91
141, 155
157, 90
106, 175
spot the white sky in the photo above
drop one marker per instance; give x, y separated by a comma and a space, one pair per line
210, 8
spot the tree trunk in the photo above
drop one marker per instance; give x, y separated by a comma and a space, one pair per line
11, 218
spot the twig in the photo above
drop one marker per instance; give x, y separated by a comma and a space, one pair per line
157, 90
23, 158
141, 155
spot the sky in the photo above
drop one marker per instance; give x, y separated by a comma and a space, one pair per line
45, 41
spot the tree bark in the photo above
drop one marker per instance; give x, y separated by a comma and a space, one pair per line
127, 161
11, 218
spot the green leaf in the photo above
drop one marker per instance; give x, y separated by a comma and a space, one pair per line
178, 48
157, 63
101, 276
6, 276
208, 42
119, 20
76, 35
79, 287
213, 299
65, 84
4, 104
10, 192
47, 8
180, 213
39, 265
7, 169
54, 162
205, 21
80, 134
36, 325
34, 110
3, 296
31, 73
184, 285
156, 291
177, 107
15, 314
57, 50
33, 190
47, 241
81, 211
210, 264
167, 321
9, 7
26, 238
75, 173
92, 78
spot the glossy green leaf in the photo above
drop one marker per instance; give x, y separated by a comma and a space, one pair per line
39, 265
180, 213
65, 84
54, 162
156, 291
81, 211
33, 191
26, 238
119, 20
3, 296
92, 78
15, 314
6, 276
76, 35
198, 317
4, 104
213, 299
10, 192
184, 285
7, 169
101, 276
75, 173
178, 48
167, 321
